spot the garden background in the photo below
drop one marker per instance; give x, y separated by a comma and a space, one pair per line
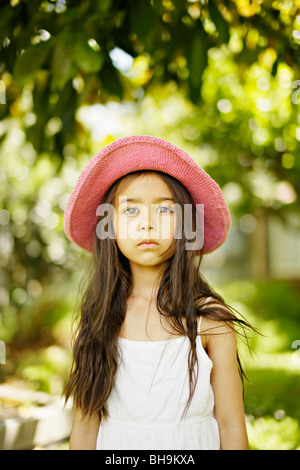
218, 79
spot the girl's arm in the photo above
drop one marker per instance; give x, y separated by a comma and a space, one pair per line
226, 384
84, 432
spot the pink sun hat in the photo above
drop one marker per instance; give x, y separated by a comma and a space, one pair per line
143, 152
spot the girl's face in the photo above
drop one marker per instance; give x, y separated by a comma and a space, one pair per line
144, 211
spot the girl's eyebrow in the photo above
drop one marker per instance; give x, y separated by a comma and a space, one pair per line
159, 199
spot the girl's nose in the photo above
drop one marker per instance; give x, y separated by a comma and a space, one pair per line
146, 220
149, 227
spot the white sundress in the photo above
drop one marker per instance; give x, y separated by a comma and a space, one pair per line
151, 390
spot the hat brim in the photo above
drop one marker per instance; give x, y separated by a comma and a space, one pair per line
143, 153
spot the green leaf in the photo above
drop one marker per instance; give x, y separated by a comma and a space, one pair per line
32, 60
220, 23
110, 81
275, 67
6, 15
197, 61
62, 66
197, 55
104, 5
143, 23
84, 56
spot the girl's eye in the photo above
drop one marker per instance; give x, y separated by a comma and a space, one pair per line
165, 210
130, 211
161, 210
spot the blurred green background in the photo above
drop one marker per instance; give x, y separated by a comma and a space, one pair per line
218, 79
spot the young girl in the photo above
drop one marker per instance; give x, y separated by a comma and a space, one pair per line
155, 354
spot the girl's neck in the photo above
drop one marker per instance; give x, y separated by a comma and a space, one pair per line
145, 282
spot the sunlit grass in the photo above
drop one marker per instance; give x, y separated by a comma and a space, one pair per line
272, 404
268, 433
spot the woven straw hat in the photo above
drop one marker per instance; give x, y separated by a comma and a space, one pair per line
143, 152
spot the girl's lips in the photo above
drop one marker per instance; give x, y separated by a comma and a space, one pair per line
148, 245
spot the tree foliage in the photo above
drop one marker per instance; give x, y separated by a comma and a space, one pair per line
63, 49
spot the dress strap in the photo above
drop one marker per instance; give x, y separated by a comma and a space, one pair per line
199, 321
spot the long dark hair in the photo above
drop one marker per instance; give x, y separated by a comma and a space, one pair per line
180, 297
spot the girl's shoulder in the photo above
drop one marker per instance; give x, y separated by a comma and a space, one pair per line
211, 327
